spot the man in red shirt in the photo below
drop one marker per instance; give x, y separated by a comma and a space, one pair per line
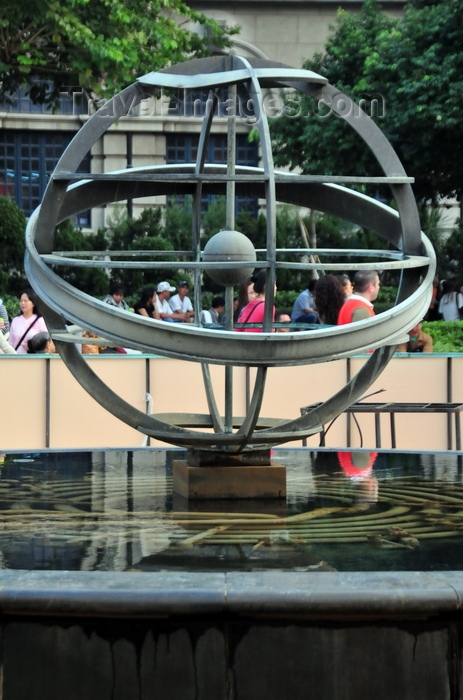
359, 305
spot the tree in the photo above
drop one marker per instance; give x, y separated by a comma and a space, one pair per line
178, 223
143, 234
307, 135
100, 45
453, 253
432, 224
93, 281
414, 65
214, 218
12, 227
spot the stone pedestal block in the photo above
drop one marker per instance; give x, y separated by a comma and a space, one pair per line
198, 483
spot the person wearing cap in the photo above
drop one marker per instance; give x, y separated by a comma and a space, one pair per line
180, 302
164, 290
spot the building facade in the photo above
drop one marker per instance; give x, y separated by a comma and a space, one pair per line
157, 132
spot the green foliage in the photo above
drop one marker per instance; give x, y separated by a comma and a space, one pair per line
421, 64
124, 231
178, 222
147, 225
304, 135
452, 254
447, 336
158, 242
413, 66
206, 300
154, 230
4, 279
143, 233
102, 45
11, 304
90, 280
254, 227
288, 235
97, 241
336, 233
386, 298
387, 295
214, 218
284, 299
431, 224
13, 247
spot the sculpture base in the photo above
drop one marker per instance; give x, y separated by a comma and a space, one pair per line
223, 482
217, 458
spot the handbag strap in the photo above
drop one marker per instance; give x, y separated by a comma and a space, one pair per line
25, 333
252, 311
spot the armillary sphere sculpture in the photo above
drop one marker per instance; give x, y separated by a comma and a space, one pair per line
227, 260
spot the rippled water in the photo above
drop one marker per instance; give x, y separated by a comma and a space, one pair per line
115, 511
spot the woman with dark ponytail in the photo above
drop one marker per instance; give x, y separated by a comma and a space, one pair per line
253, 312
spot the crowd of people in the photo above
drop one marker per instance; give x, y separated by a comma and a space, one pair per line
330, 300
337, 300
27, 332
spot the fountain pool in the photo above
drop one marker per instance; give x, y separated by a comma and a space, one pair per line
113, 586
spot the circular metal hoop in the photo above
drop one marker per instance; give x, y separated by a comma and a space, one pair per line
69, 192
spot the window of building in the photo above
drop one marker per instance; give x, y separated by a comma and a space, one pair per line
183, 148
193, 103
72, 101
27, 159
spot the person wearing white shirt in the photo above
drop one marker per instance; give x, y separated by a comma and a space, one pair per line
451, 304
163, 291
181, 301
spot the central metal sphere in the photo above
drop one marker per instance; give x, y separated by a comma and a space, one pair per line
229, 246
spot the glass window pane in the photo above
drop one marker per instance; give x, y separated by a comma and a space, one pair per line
27, 159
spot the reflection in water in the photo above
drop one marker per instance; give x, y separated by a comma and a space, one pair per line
347, 511
358, 466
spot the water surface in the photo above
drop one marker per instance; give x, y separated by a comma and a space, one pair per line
115, 511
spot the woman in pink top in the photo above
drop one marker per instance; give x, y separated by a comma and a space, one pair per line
254, 311
27, 324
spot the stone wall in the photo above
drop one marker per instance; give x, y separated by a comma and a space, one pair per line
272, 636
61, 415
